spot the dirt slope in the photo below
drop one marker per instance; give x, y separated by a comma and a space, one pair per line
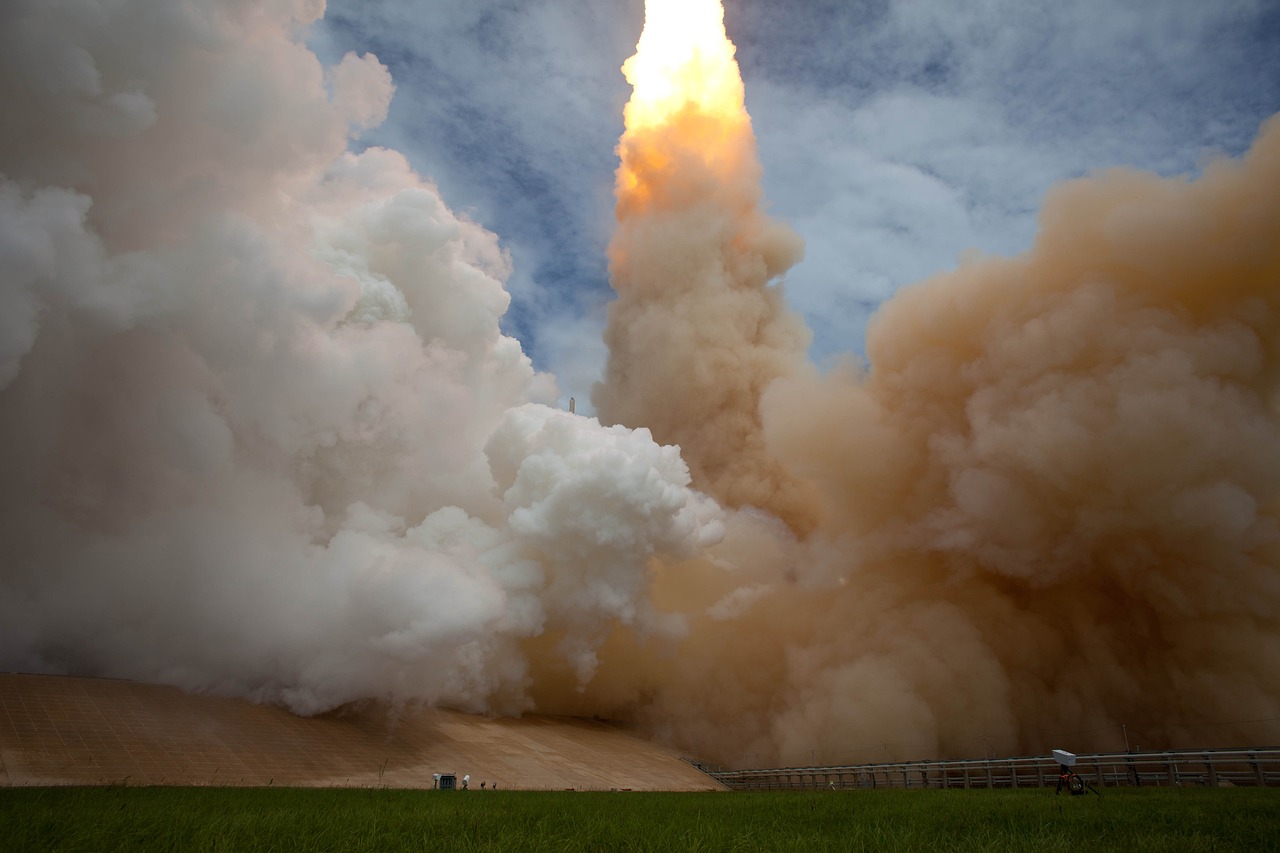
58, 730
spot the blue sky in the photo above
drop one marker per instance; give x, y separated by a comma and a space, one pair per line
894, 135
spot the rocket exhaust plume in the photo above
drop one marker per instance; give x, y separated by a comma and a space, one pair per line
697, 331
262, 434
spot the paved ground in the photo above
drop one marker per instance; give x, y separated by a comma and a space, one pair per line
57, 730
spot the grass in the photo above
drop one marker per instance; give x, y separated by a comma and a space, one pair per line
275, 819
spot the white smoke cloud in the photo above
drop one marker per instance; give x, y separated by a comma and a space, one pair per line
263, 435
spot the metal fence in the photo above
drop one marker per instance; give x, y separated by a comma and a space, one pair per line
1208, 767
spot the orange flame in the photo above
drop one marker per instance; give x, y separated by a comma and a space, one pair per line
684, 61
687, 98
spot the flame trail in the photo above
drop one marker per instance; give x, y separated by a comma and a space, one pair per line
697, 332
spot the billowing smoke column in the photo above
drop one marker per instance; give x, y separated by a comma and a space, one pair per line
261, 434
1046, 513
1056, 495
697, 332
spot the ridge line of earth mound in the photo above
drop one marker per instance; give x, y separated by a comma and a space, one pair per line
62, 730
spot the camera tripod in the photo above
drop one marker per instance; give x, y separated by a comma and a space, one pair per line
1073, 782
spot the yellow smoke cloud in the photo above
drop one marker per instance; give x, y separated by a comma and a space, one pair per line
1049, 508
697, 332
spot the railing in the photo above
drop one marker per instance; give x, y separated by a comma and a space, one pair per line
1212, 767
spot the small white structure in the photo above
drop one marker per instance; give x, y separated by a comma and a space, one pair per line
1066, 759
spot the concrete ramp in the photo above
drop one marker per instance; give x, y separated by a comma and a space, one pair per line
57, 730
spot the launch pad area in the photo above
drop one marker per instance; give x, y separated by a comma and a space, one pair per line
58, 730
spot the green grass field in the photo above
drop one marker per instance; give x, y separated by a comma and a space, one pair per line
1169, 820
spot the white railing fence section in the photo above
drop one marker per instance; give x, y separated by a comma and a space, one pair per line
1258, 766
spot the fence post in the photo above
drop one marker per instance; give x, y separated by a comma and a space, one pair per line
1013, 774
1208, 763
1257, 768
1102, 781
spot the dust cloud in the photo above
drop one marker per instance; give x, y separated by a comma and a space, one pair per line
263, 436
1047, 510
